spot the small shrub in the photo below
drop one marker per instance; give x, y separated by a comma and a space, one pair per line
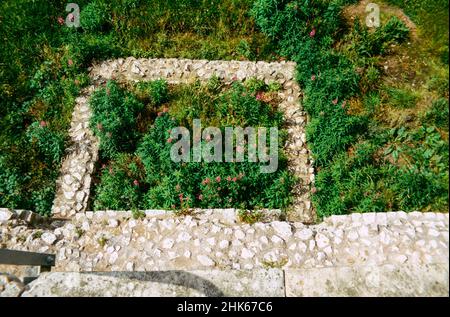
94, 17
114, 118
243, 49
401, 98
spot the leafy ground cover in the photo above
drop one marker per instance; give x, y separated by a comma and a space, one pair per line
136, 170
43, 67
377, 99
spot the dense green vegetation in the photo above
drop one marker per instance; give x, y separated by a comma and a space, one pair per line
137, 171
378, 100
43, 66
363, 161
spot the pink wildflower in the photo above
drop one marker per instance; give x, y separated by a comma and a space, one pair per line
200, 197
259, 96
218, 179
234, 179
229, 178
43, 124
136, 182
335, 101
206, 181
70, 62
313, 190
169, 140
313, 77
312, 33
60, 20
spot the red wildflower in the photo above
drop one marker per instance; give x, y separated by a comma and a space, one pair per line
234, 179
169, 140
312, 33
60, 20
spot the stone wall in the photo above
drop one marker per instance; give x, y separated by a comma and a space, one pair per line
73, 185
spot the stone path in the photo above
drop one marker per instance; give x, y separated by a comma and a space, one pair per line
73, 185
112, 241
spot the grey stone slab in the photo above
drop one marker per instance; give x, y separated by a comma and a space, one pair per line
253, 283
386, 281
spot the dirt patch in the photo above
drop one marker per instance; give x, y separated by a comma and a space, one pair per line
358, 11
